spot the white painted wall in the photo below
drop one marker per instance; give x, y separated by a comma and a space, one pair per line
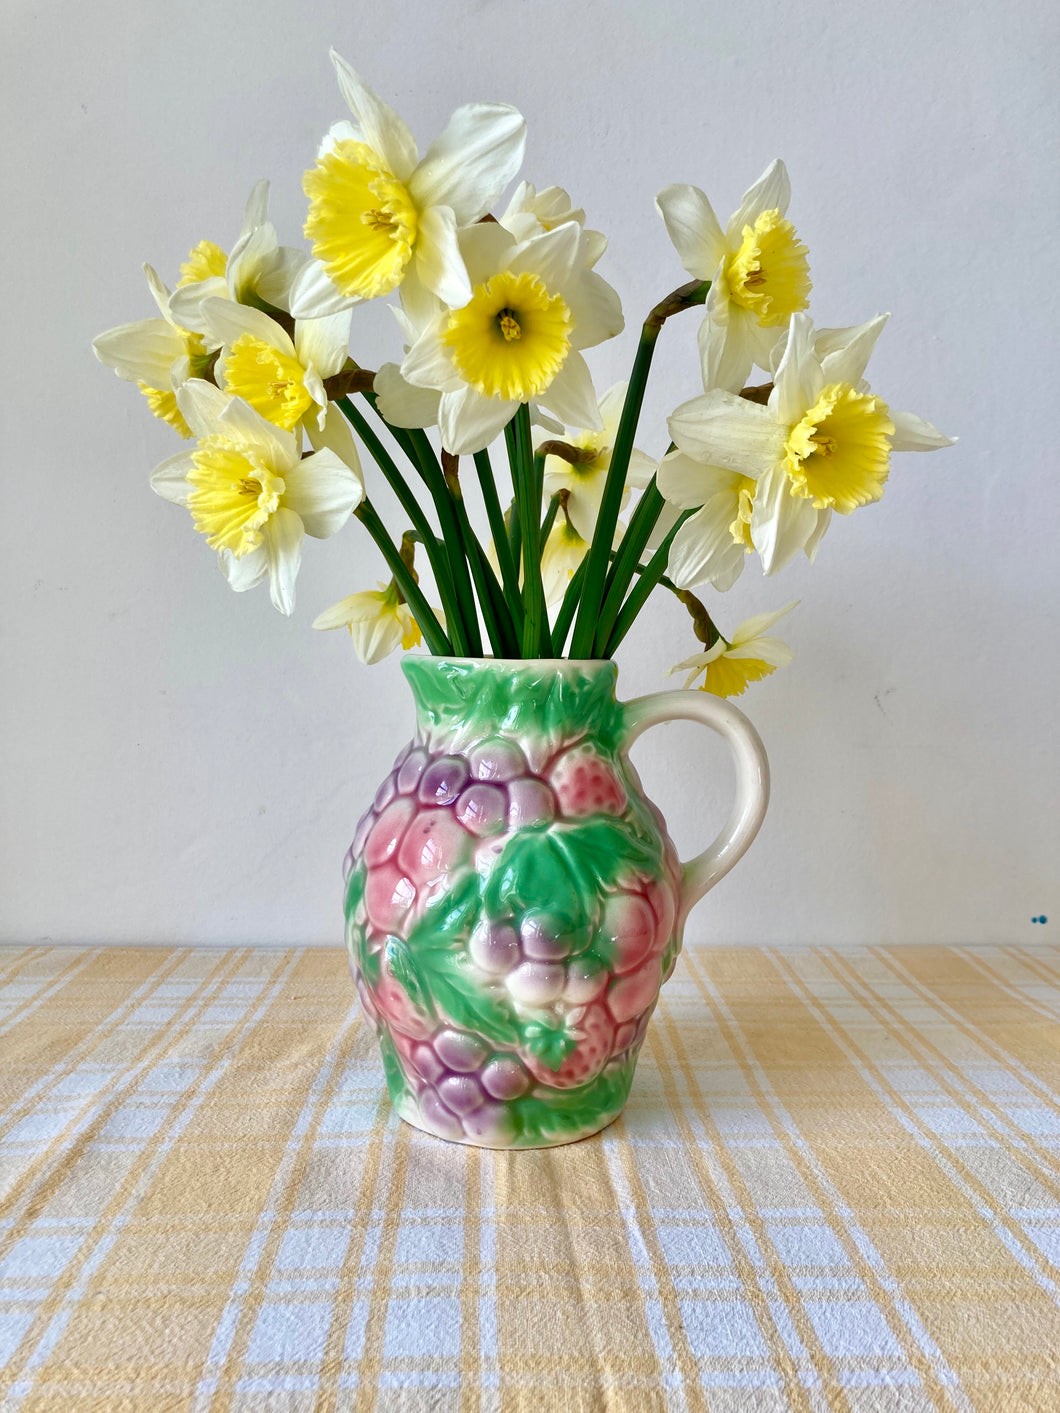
185, 765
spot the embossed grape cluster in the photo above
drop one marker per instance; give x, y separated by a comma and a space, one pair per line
583, 967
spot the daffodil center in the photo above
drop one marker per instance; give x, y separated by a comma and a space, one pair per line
509, 325
838, 454
272, 382
769, 275
234, 493
205, 260
512, 337
362, 221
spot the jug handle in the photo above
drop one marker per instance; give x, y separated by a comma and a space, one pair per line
752, 779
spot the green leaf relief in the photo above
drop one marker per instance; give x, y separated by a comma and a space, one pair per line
572, 1112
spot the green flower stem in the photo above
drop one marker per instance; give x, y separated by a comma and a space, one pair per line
431, 471
638, 532
536, 641
436, 551
432, 630
499, 625
565, 617
397, 483
499, 532
651, 576
584, 641
550, 518
458, 600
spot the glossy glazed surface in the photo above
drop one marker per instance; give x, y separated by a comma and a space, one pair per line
512, 904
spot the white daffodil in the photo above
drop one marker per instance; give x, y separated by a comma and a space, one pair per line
757, 265
377, 213
535, 305
584, 481
379, 622
251, 493
530, 212
259, 267
158, 355
823, 441
730, 667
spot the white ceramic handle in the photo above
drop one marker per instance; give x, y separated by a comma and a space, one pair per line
752, 779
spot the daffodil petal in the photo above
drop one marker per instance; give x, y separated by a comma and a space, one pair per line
725, 354
641, 469
245, 571
282, 537
703, 549
471, 161
693, 227
142, 352
323, 492
781, 524
437, 258
771, 192
845, 361
323, 344
912, 433
596, 309
313, 296
720, 429
239, 418
185, 303
428, 363
202, 405
401, 402
469, 421
486, 248
688, 483
824, 519
752, 628
227, 321
169, 478
799, 379
551, 256
385, 132
571, 395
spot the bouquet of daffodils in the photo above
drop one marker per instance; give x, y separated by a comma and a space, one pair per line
249, 360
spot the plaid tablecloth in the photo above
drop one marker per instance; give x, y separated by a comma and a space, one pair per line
835, 1187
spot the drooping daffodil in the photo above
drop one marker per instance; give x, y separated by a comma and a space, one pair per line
758, 268
584, 481
258, 270
562, 552
251, 493
822, 441
530, 212
379, 621
377, 213
535, 305
158, 355
728, 667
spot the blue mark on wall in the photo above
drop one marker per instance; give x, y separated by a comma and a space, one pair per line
1043, 918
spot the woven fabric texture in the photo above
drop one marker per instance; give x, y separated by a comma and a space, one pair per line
836, 1186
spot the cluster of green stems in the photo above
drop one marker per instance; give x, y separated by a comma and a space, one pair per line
608, 589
